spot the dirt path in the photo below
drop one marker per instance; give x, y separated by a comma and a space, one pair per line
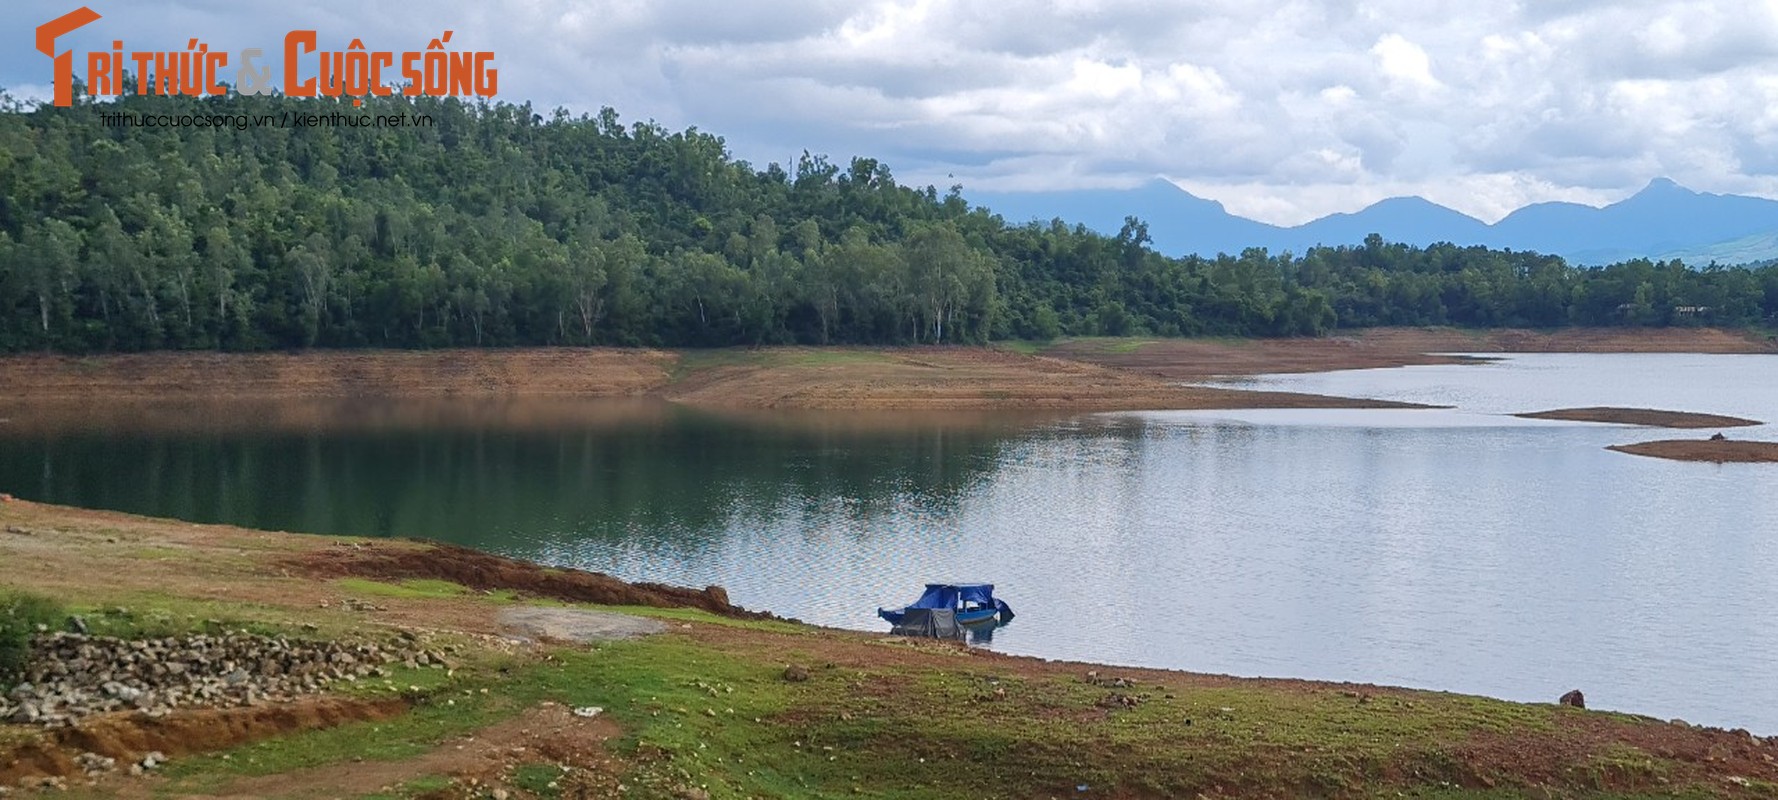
576, 625
549, 734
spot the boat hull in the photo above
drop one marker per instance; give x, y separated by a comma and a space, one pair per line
976, 617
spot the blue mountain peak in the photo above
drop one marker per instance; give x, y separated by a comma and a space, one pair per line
1665, 186
1664, 218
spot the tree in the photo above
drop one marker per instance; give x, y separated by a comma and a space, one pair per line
498, 226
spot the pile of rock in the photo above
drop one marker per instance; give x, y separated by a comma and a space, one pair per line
74, 675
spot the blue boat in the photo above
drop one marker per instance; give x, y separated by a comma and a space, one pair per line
972, 603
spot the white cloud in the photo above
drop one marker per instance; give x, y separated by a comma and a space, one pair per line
31, 92
1284, 111
1403, 61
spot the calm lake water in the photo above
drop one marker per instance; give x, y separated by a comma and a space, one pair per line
1459, 549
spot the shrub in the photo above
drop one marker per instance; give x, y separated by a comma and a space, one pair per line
20, 614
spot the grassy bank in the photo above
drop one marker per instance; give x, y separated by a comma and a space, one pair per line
708, 708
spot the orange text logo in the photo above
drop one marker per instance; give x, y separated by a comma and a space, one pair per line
309, 71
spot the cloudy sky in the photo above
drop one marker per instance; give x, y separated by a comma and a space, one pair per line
1283, 111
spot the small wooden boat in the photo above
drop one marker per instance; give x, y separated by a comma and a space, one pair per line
969, 603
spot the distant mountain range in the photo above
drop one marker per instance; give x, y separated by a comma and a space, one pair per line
1663, 221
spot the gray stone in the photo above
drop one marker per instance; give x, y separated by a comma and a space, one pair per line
576, 625
71, 675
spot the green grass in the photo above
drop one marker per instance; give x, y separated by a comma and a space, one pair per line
444, 707
432, 588
1127, 345
21, 614
1024, 347
411, 589
149, 553
1107, 344
711, 709
419, 589
154, 614
691, 361
407, 736
718, 715
538, 779
831, 357
702, 616
725, 720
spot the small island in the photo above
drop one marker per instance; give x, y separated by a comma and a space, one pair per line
1642, 416
1719, 451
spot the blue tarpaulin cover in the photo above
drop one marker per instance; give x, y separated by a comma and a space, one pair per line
947, 595
963, 603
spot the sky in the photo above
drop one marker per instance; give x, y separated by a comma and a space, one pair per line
1282, 111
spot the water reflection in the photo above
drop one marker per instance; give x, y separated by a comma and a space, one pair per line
515, 476
982, 635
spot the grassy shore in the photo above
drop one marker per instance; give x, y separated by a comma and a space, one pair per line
727, 705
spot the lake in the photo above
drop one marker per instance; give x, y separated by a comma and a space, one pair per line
1461, 549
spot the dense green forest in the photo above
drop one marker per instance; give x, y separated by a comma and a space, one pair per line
499, 226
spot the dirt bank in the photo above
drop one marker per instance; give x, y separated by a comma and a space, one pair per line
127, 738
374, 388
1088, 374
1720, 451
1199, 359
1642, 416
955, 378
487, 572
514, 413
583, 372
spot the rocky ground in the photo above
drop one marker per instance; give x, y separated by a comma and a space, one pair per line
72, 675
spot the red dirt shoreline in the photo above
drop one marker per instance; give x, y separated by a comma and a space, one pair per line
1651, 417
1717, 451
1079, 375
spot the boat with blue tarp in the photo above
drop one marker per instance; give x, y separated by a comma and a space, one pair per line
969, 604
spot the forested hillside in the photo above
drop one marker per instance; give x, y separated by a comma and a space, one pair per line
499, 226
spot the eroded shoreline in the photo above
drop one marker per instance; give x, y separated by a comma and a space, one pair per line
1717, 451
1077, 375
1650, 417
